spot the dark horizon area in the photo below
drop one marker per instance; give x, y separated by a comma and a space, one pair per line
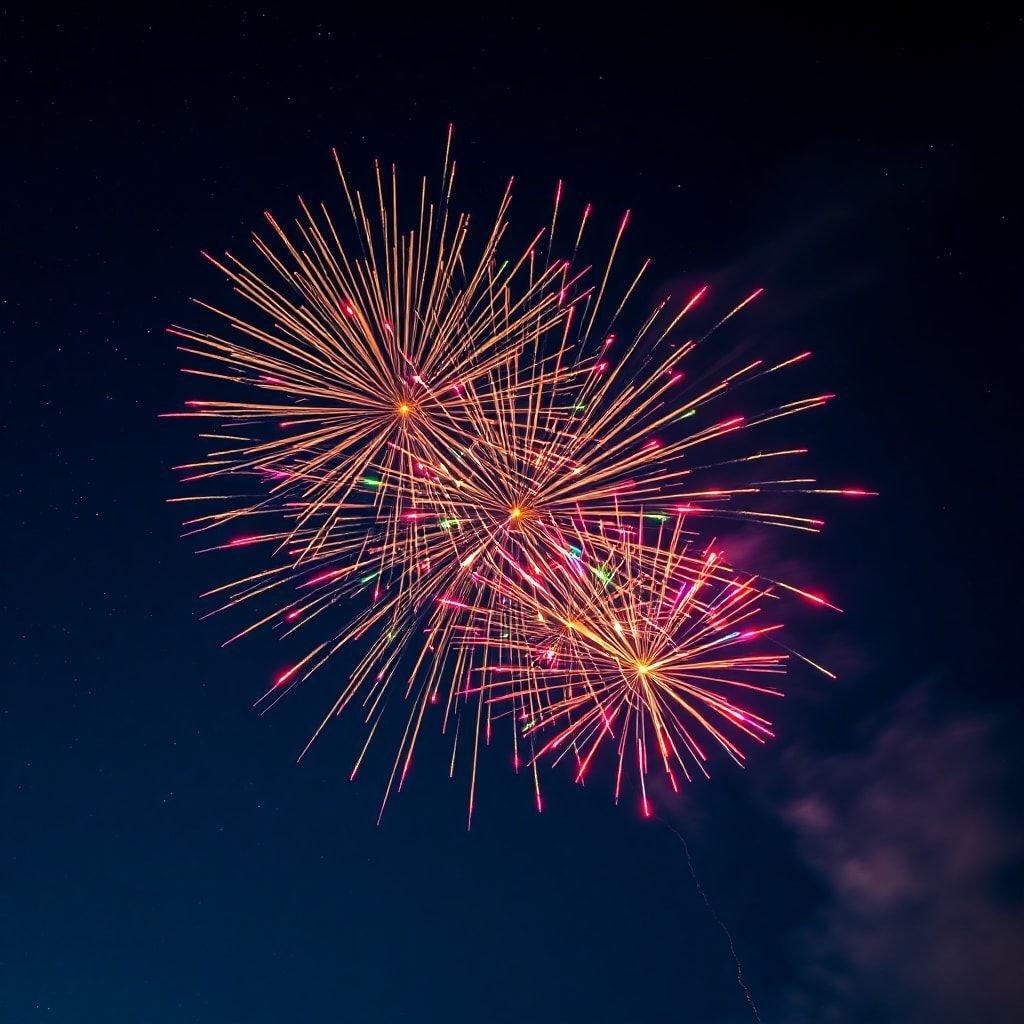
164, 859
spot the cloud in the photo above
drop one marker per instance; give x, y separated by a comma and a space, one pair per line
911, 838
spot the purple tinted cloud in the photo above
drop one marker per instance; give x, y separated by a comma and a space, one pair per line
912, 839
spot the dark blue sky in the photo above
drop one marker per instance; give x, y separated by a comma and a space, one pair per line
163, 859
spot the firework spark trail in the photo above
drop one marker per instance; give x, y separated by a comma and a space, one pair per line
459, 445
721, 924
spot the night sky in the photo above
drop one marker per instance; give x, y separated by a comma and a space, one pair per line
162, 856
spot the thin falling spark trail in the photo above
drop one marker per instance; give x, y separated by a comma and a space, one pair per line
721, 924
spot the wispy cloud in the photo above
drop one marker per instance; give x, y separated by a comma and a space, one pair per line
911, 836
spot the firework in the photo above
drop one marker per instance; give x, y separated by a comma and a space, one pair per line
647, 646
359, 361
458, 462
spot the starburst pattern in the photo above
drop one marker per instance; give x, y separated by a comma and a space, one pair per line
476, 466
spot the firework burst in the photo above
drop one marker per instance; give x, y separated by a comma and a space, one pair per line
648, 645
359, 361
469, 465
